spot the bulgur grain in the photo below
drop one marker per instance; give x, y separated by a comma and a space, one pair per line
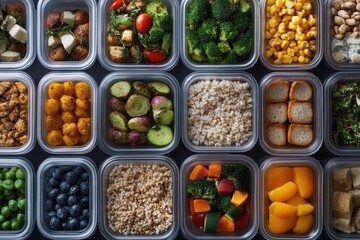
140, 199
219, 112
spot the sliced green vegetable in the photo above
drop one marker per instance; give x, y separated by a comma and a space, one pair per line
211, 221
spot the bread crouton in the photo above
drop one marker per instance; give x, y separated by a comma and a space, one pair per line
342, 179
356, 197
344, 225
355, 176
277, 91
342, 204
356, 219
300, 112
128, 37
117, 54
300, 135
276, 113
276, 134
300, 91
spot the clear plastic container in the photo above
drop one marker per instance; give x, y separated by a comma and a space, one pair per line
104, 170
317, 101
31, 122
42, 224
103, 53
42, 93
200, 66
188, 228
45, 7
344, 150
104, 124
26, 230
239, 76
316, 200
30, 28
318, 9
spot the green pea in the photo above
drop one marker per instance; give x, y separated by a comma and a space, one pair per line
1, 176
1, 186
20, 194
5, 211
19, 184
21, 218
6, 225
2, 219
15, 226
20, 174
21, 204
13, 205
14, 169
10, 175
8, 184
2, 196
5, 170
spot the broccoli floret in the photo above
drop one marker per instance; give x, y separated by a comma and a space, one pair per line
198, 10
224, 47
244, 6
166, 43
222, 202
202, 188
243, 45
231, 57
198, 55
193, 40
156, 34
238, 174
222, 9
164, 22
211, 50
208, 31
227, 32
242, 21
156, 8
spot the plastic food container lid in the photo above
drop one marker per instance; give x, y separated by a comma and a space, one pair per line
238, 76
104, 124
42, 97
104, 171
46, 7
317, 6
103, 55
317, 101
316, 200
197, 66
42, 225
188, 229
28, 227
26, 79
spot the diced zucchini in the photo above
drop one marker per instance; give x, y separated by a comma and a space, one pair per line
233, 213
211, 221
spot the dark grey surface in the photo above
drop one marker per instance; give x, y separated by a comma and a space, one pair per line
37, 155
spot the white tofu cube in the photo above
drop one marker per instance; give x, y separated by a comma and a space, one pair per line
8, 23
53, 41
68, 41
19, 33
10, 56
69, 18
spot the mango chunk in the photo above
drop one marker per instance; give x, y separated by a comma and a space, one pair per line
280, 225
304, 180
304, 209
283, 193
278, 176
283, 210
303, 224
296, 200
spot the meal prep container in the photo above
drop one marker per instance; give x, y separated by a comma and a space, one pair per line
104, 124
316, 200
28, 81
26, 230
188, 228
103, 53
42, 93
318, 9
239, 76
317, 101
42, 225
45, 7
328, 132
199, 66
108, 165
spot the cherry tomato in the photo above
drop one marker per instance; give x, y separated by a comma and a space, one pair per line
143, 22
153, 56
118, 4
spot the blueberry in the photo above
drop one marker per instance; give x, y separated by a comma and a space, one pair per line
53, 193
61, 199
75, 210
84, 188
57, 173
85, 214
70, 177
49, 205
57, 206
74, 190
64, 226
84, 202
51, 214
84, 176
69, 218
61, 213
66, 169
73, 224
55, 223
48, 188
53, 182
50, 172
65, 186
67, 208
78, 170
72, 200
83, 224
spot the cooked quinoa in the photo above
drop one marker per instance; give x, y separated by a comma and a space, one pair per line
219, 112
140, 199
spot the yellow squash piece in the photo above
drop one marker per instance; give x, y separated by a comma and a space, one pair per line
283, 193
278, 176
303, 224
304, 180
304, 209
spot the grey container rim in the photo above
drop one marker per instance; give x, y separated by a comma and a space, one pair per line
126, 75
219, 158
300, 160
42, 48
294, 66
318, 116
67, 76
26, 231
72, 161
328, 167
148, 159
30, 144
240, 75
170, 62
328, 83
201, 67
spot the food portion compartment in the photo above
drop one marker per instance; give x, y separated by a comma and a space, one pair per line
220, 112
139, 197
291, 198
219, 34
141, 34
67, 108
140, 112
67, 198
291, 34
219, 197
292, 113
67, 34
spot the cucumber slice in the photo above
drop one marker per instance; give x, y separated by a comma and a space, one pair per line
233, 213
160, 135
159, 88
118, 120
137, 105
120, 89
211, 221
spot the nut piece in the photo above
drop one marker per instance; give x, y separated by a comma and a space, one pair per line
350, 22
343, 14
348, 5
344, 29
338, 20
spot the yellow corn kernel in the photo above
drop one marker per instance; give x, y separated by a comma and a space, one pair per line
301, 59
291, 26
278, 41
273, 30
307, 6
311, 34
303, 44
287, 59
296, 20
285, 36
277, 61
285, 44
291, 35
276, 54
277, 35
281, 28
293, 44
280, 55
297, 36
282, 12
312, 48
290, 11
307, 60
312, 29
274, 9
279, 3
298, 6
300, 14
295, 58
268, 35
270, 2
272, 42
301, 53
299, 29
307, 52
312, 42
289, 3
273, 23
311, 20
305, 23
290, 52
296, 49
269, 54
267, 47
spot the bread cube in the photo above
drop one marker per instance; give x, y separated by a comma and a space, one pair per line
277, 91
300, 91
342, 179
276, 134
344, 225
276, 113
342, 205
300, 134
300, 112
355, 177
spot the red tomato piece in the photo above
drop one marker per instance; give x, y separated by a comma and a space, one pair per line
154, 56
143, 22
118, 4
198, 219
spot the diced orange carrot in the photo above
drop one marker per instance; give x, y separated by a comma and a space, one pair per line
214, 171
225, 225
199, 171
191, 205
201, 205
239, 198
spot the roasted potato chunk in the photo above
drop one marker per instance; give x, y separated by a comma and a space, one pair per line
82, 90
67, 103
55, 90
55, 138
52, 106
53, 122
